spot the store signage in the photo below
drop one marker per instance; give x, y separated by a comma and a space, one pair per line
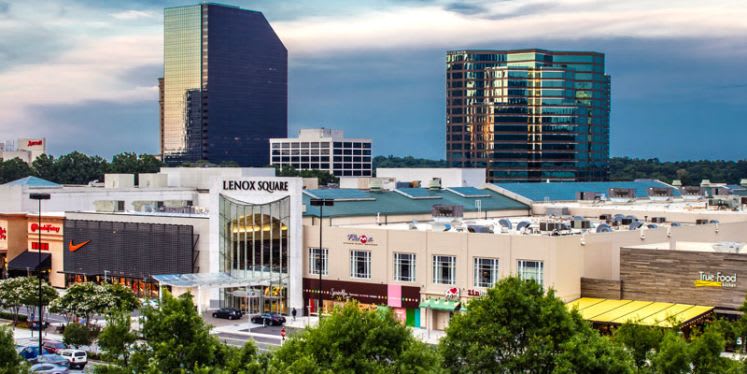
44, 246
267, 186
718, 280
475, 293
452, 294
3, 233
33, 142
45, 227
339, 294
362, 239
75, 247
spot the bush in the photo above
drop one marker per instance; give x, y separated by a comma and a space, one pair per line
9, 316
77, 334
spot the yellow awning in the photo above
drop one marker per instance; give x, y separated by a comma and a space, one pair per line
647, 313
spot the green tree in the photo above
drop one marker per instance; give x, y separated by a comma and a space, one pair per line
13, 169
76, 334
124, 163
78, 168
116, 338
514, 327
355, 341
705, 352
673, 356
11, 295
122, 298
45, 167
588, 352
11, 361
149, 164
177, 338
641, 340
242, 360
29, 293
84, 300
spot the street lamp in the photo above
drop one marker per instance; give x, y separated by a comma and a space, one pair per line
39, 197
321, 203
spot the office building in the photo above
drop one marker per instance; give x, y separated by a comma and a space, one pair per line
323, 149
225, 85
528, 115
26, 149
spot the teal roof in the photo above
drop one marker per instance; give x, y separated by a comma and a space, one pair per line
397, 203
566, 191
32, 182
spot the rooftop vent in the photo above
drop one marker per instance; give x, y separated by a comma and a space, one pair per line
434, 184
677, 183
743, 182
705, 182
374, 185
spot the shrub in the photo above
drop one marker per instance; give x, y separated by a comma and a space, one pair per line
76, 334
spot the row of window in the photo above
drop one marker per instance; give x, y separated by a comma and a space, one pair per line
278, 145
444, 267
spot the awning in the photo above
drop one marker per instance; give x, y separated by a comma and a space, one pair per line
648, 313
29, 261
440, 304
214, 280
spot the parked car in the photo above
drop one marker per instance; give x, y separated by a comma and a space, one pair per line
30, 352
49, 368
76, 358
273, 319
228, 313
54, 346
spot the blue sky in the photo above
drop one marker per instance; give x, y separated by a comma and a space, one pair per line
83, 72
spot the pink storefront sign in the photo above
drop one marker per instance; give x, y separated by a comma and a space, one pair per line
394, 292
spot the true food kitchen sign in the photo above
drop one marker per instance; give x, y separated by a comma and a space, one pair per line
717, 279
360, 239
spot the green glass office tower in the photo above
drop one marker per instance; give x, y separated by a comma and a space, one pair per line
225, 85
528, 115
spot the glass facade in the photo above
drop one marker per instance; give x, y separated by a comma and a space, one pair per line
404, 267
533, 270
225, 85
486, 272
254, 246
530, 115
444, 269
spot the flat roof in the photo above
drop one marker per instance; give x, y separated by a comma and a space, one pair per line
647, 313
352, 202
566, 191
720, 247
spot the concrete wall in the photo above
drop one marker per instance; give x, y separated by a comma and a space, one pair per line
203, 178
650, 210
450, 177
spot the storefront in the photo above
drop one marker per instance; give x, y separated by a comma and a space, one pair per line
255, 225
22, 252
404, 301
127, 253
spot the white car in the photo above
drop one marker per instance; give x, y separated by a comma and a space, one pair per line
76, 357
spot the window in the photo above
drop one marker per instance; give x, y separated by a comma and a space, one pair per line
315, 262
404, 267
360, 264
531, 270
486, 271
444, 269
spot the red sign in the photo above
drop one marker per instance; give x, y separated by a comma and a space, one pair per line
452, 294
35, 142
45, 227
475, 293
3, 233
44, 246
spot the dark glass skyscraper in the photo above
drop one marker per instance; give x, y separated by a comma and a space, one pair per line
528, 115
225, 85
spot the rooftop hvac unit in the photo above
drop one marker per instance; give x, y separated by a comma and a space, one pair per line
586, 196
480, 229
550, 226
705, 182
505, 223
605, 217
375, 185
701, 221
743, 182
658, 219
604, 228
677, 183
728, 247
557, 211
621, 194
434, 184
660, 193
523, 224
581, 224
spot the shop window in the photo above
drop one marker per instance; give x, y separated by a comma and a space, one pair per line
444, 269
531, 270
404, 267
486, 272
318, 259
360, 264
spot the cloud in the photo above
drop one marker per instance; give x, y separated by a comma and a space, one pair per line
129, 15
435, 25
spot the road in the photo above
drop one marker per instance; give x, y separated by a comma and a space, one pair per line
264, 344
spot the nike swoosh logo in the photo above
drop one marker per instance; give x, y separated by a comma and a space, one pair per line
75, 247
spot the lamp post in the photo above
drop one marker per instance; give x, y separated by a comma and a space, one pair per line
39, 197
321, 203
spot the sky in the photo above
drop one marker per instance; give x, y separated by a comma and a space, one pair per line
83, 73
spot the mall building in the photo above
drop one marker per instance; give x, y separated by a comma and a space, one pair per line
244, 238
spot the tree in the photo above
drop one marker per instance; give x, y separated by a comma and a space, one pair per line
641, 340
13, 169
29, 293
11, 295
705, 352
122, 298
355, 341
45, 167
76, 334
177, 338
125, 163
241, 360
588, 352
149, 164
78, 168
514, 327
11, 361
84, 300
672, 357
116, 338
